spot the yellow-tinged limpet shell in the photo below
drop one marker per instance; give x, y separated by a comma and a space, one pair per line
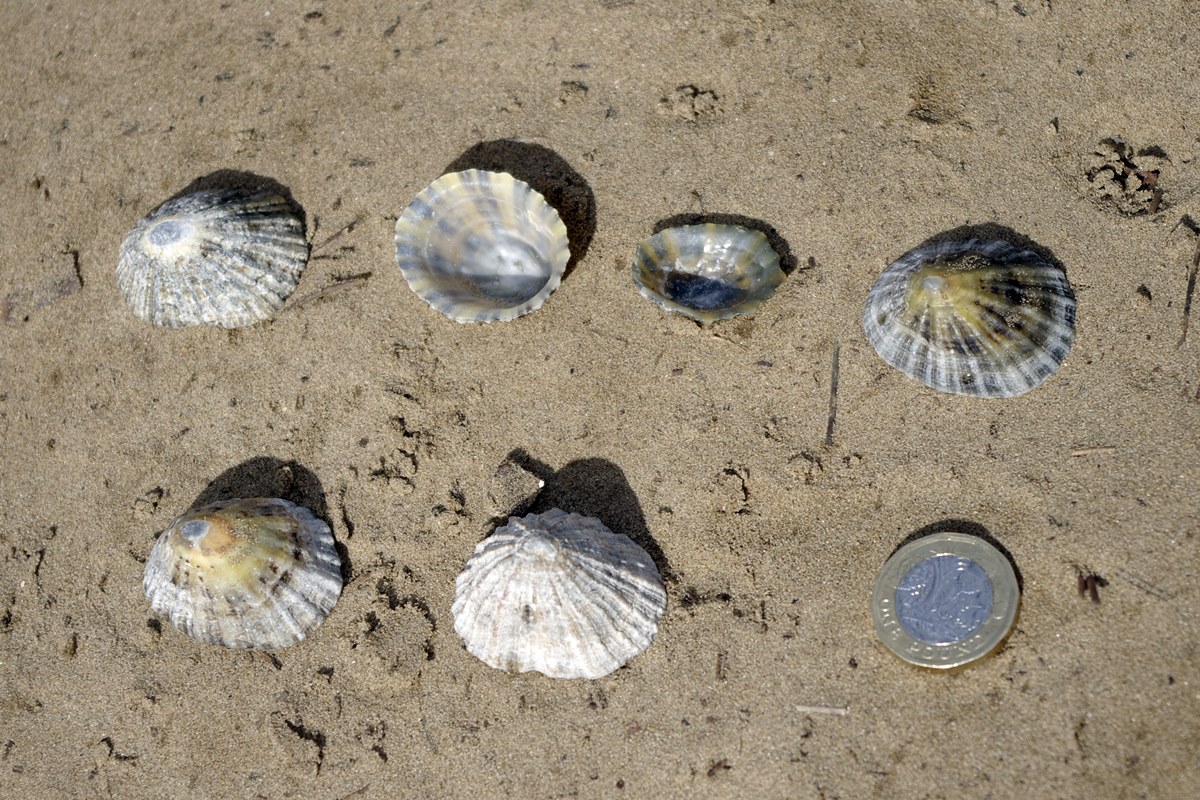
981, 318
226, 257
481, 246
559, 594
708, 272
257, 573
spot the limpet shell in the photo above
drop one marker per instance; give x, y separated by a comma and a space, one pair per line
481, 246
559, 594
708, 272
981, 318
257, 573
227, 257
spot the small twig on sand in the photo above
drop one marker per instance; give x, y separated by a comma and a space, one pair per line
349, 226
1143, 584
1088, 451
1188, 294
718, 335
331, 289
833, 384
832, 711
1187, 222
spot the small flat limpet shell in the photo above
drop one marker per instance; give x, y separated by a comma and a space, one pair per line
226, 257
560, 594
982, 318
255, 573
708, 272
481, 246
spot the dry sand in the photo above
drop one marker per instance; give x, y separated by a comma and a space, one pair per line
857, 130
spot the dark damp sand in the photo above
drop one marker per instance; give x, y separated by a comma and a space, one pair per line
856, 130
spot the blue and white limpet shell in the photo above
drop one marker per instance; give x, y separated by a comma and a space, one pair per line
980, 318
708, 272
226, 257
481, 246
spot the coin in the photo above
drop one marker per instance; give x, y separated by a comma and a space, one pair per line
945, 600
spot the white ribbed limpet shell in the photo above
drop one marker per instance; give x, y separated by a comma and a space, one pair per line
481, 246
981, 318
255, 573
226, 257
708, 272
560, 594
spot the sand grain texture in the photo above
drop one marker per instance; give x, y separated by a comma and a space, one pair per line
857, 130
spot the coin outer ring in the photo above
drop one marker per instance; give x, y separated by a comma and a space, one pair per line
1006, 597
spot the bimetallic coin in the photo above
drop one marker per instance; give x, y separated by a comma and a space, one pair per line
945, 600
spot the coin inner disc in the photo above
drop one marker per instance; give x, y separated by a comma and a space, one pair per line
944, 599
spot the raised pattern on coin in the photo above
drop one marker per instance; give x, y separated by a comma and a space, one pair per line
945, 600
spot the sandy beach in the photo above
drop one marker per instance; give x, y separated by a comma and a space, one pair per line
854, 131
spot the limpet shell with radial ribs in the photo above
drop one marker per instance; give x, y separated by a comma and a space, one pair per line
559, 594
708, 272
227, 257
481, 246
257, 573
981, 318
